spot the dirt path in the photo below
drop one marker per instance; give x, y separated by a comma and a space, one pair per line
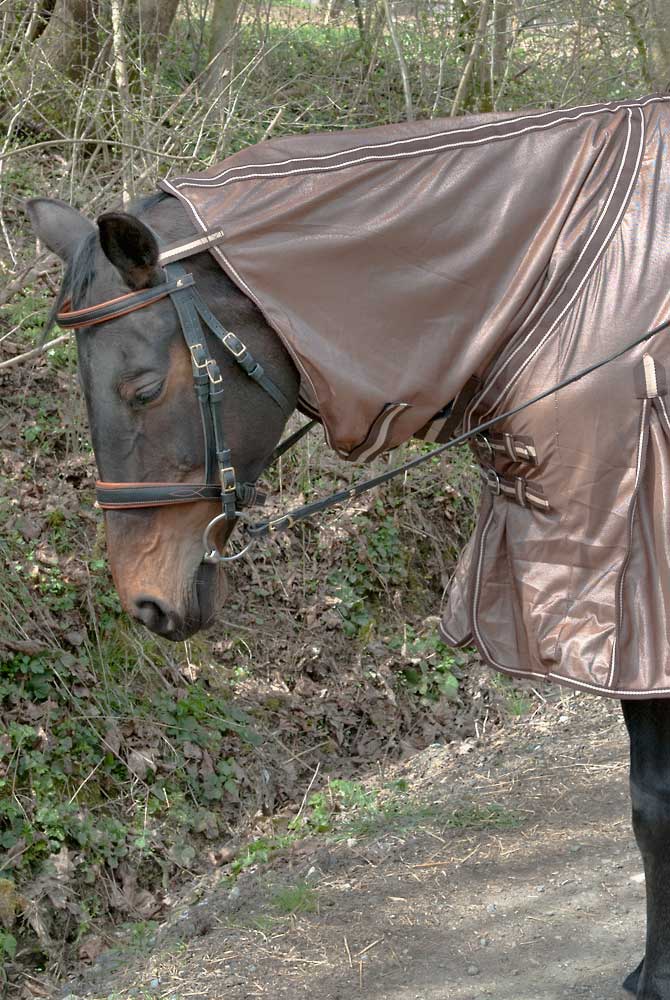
503, 867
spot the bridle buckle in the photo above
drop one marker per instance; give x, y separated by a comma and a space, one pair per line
228, 480
212, 366
198, 352
234, 344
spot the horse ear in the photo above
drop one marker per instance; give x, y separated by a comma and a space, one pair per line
59, 226
131, 247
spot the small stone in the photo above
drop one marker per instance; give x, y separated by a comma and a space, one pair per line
74, 637
491, 908
29, 528
154, 984
473, 970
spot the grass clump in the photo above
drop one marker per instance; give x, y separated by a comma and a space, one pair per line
488, 816
299, 898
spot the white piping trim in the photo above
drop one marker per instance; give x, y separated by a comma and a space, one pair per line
382, 433
452, 641
641, 437
551, 675
661, 403
586, 276
617, 692
585, 111
650, 382
477, 587
264, 175
182, 248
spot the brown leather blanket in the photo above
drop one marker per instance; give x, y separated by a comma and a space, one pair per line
398, 263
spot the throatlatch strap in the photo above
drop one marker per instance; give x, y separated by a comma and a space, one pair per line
241, 353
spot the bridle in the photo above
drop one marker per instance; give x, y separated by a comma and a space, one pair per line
221, 482
234, 496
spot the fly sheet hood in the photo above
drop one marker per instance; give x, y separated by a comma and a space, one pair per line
394, 262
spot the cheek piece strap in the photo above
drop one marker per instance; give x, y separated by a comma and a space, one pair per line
220, 480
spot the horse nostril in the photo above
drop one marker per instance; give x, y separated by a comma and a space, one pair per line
155, 614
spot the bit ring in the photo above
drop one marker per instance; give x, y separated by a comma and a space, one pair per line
212, 554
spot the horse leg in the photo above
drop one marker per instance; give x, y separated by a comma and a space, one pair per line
648, 723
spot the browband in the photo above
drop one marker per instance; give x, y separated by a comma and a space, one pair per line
76, 319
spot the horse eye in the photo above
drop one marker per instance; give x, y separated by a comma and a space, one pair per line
148, 393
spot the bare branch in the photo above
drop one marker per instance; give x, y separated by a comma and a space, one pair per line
472, 58
409, 109
35, 352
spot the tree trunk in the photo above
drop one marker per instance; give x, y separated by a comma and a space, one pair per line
460, 98
659, 43
121, 77
39, 18
155, 19
221, 48
404, 73
500, 38
69, 42
627, 12
332, 9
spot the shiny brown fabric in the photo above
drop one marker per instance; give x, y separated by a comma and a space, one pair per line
397, 263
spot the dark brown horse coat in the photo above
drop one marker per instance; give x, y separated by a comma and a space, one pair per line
398, 263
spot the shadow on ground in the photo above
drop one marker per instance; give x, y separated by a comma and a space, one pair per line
543, 901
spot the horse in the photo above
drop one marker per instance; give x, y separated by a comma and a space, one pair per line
138, 286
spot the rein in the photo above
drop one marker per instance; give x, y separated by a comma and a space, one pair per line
192, 311
262, 528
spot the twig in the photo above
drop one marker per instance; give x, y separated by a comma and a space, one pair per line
86, 779
21, 280
30, 646
35, 352
91, 141
472, 58
303, 753
121, 76
309, 788
346, 946
409, 110
273, 124
438, 89
369, 947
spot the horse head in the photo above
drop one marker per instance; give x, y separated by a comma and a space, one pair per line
146, 423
